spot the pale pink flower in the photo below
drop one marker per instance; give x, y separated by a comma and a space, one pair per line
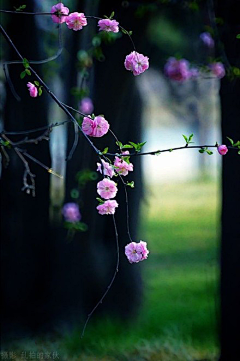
58, 11
222, 149
136, 252
107, 207
76, 21
86, 106
71, 212
96, 127
122, 167
177, 69
108, 25
207, 39
217, 69
137, 63
32, 90
107, 188
107, 168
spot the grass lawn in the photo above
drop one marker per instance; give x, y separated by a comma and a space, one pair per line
178, 318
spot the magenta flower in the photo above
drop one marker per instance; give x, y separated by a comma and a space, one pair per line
137, 63
107, 168
177, 69
71, 212
207, 39
122, 167
96, 127
222, 149
86, 106
136, 252
217, 69
107, 188
76, 21
108, 25
58, 11
32, 90
107, 207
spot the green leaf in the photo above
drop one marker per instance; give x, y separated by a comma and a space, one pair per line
100, 200
119, 144
112, 15
124, 31
74, 193
127, 146
105, 150
130, 33
238, 36
230, 140
209, 152
36, 82
130, 184
185, 137
202, 150
157, 153
239, 152
27, 71
190, 138
171, 150
23, 74
237, 144
20, 8
40, 91
25, 63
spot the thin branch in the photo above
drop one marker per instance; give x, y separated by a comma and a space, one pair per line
27, 173
110, 284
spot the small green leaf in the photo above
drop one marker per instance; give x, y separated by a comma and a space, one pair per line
119, 144
130, 33
239, 152
157, 153
25, 63
127, 146
20, 8
124, 31
238, 36
36, 82
237, 144
27, 71
40, 91
23, 74
190, 138
185, 137
230, 140
209, 152
100, 200
112, 15
130, 184
105, 150
170, 150
201, 150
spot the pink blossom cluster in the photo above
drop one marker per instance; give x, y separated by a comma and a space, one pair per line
108, 25
107, 168
71, 212
107, 188
217, 69
33, 91
207, 39
136, 252
86, 105
108, 207
178, 70
121, 166
96, 127
74, 21
222, 149
137, 63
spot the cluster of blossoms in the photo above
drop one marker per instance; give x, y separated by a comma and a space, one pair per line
96, 127
180, 70
74, 21
222, 149
136, 252
107, 189
137, 63
121, 166
71, 212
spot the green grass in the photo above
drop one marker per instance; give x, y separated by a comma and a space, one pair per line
177, 320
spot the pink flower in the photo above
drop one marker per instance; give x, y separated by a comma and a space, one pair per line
58, 10
108, 25
136, 252
122, 167
71, 212
76, 21
107, 188
207, 39
217, 69
86, 106
107, 207
177, 69
137, 63
32, 90
96, 127
222, 149
107, 168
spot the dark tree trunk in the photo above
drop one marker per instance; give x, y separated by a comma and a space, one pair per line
230, 249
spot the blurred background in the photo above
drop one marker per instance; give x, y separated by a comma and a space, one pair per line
168, 307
